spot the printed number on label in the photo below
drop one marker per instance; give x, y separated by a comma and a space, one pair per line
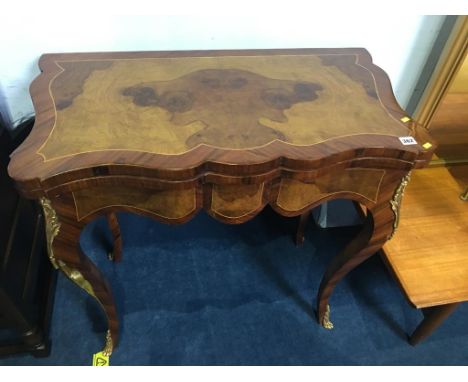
408, 141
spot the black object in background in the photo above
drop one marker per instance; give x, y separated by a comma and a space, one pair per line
27, 280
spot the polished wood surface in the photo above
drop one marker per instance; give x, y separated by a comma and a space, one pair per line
172, 105
113, 111
166, 203
165, 134
429, 252
449, 127
295, 195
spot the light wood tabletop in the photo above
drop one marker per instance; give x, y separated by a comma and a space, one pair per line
429, 253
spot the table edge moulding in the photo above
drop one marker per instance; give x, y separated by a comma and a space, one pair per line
231, 184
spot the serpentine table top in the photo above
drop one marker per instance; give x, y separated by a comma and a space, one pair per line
165, 134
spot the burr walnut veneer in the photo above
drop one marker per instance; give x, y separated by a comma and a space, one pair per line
165, 134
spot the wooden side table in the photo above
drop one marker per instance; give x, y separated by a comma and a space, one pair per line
165, 134
428, 256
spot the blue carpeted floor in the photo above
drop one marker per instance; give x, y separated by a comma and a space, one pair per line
205, 293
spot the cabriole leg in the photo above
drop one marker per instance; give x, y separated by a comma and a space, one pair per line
379, 226
66, 255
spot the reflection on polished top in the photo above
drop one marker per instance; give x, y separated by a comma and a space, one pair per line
170, 105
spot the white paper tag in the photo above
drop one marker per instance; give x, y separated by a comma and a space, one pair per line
408, 141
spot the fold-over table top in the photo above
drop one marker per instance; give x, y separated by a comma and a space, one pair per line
176, 110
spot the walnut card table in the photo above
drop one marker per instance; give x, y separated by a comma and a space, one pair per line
165, 134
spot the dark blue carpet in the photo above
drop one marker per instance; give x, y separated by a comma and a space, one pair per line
205, 293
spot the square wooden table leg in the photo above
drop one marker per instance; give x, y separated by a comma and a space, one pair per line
433, 317
303, 219
116, 254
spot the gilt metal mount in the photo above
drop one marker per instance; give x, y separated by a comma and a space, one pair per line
326, 323
396, 202
52, 228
